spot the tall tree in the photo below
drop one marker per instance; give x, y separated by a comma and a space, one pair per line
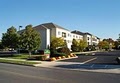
111, 42
1, 46
10, 38
78, 45
82, 45
103, 45
75, 45
30, 39
117, 45
57, 42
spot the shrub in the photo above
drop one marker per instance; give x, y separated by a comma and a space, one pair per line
64, 50
58, 54
52, 52
91, 48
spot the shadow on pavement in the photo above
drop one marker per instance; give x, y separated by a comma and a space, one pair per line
89, 66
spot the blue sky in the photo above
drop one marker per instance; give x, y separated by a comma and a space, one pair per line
98, 17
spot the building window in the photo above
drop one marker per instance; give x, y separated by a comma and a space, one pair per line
76, 36
73, 36
63, 34
58, 32
88, 38
68, 35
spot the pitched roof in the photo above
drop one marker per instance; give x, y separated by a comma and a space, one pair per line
77, 32
87, 33
52, 25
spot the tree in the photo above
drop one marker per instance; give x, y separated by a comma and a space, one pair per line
111, 42
1, 46
57, 42
10, 38
103, 45
78, 45
75, 45
30, 39
117, 44
82, 45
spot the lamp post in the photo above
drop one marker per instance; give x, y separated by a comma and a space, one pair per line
20, 27
19, 40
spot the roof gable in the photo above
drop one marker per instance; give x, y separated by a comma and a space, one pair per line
52, 25
77, 32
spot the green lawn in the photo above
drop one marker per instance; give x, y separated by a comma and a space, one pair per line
18, 62
21, 56
18, 59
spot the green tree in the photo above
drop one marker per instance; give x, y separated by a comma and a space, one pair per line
82, 45
111, 42
103, 45
30, 39
10, 38
57, 42
75, 46
116, 44
1, 46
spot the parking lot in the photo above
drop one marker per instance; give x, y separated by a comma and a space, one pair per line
101, 60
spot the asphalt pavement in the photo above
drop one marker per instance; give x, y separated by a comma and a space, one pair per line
10, 73
100, 62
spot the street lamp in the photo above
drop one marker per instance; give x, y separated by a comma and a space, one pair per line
19, 40
20, 27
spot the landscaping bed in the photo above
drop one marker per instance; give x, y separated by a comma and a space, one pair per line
62, 57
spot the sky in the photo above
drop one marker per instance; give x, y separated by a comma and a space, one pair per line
98, 17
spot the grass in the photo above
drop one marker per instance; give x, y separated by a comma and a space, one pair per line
21, 56
17, 59
18, 62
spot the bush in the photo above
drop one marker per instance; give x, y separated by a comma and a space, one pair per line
74, 48
64, 50
40, 57
57, 54
91, 48
52, 52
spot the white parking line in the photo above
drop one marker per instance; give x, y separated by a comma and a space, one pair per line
106, 66
89, 60
92, 66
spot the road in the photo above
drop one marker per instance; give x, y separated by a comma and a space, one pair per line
10, 73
